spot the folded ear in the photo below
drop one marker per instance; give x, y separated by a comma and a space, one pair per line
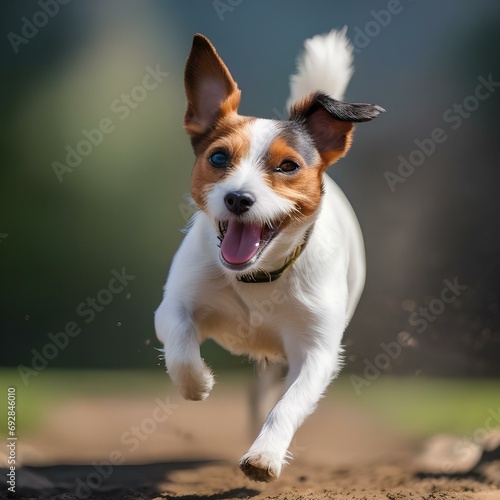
330, 123
211, 91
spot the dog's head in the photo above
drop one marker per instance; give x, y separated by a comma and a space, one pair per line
259, 180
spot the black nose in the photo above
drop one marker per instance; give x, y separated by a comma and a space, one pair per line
238, 202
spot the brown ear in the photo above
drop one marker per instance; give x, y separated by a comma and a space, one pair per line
330, 123
211, 91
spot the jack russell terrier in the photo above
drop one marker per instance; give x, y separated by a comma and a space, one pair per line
273, 263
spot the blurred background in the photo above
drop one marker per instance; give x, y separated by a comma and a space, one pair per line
96, 166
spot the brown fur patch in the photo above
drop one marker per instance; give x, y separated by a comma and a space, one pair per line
303, 187
332, 137
229, 135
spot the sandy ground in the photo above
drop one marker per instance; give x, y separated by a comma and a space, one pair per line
165, 448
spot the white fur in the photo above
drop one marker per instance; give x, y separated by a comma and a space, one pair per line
325, 64
248, 177
300, 318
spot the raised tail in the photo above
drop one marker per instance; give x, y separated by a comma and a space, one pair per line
324, 65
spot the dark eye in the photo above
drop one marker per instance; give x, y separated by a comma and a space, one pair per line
219, 159
288, 167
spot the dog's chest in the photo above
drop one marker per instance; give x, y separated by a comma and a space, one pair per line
249, 322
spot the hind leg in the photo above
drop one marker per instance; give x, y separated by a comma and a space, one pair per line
265, 391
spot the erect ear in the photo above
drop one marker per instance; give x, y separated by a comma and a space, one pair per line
330, 123
211, 91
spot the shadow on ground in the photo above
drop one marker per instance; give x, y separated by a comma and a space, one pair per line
110, 481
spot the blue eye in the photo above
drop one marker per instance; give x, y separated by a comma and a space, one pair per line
218, 159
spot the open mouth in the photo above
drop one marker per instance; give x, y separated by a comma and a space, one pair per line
242, 243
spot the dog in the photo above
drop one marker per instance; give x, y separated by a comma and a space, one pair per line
273, 262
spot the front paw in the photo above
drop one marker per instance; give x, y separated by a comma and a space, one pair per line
260, 467
194, 384
197, 389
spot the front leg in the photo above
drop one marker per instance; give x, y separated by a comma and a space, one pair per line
176, 330
312, 367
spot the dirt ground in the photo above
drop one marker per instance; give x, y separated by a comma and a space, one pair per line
166, 448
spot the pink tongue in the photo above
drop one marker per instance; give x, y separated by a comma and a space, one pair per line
240, 242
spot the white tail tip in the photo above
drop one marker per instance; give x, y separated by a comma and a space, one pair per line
324, 65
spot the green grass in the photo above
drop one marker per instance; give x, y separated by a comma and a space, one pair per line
424, 406
52, 387
415, 405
